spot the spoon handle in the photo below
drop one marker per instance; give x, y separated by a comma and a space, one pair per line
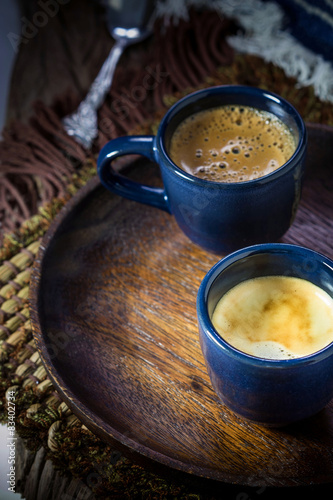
82, 124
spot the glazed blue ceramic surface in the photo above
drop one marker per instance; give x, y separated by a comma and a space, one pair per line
270, 392
219, 217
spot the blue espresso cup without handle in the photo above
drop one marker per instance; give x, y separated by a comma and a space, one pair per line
219, 217
271, 392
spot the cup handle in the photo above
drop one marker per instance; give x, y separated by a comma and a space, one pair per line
121, 185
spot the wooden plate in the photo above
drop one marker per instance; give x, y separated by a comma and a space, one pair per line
113, 312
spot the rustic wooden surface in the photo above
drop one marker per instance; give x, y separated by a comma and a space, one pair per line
113, 313
61, 57
42, 481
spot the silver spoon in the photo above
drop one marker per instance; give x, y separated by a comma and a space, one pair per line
82, 124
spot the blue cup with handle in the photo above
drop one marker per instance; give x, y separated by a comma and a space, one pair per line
220, 217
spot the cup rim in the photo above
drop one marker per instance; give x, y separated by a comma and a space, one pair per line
205, 321
233, 90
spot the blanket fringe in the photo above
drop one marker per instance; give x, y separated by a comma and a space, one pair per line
263, 34
38, 159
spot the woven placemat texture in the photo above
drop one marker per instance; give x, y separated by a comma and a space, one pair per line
42, 419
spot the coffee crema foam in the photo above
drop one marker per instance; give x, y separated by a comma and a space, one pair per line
275, 317
231, 144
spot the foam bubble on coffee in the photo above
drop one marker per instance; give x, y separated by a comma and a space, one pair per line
275, 317
231, 144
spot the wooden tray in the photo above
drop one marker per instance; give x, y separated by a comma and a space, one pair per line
113, 313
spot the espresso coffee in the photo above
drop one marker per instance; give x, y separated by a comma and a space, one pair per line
275, 317
231, 144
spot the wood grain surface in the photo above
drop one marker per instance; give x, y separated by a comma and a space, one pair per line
59, 52
113, 313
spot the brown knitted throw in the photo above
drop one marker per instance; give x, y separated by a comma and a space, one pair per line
38, 159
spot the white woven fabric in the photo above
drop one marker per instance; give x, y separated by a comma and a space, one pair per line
263, 35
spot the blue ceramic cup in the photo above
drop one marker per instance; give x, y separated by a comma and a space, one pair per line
272, 392
220, 217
